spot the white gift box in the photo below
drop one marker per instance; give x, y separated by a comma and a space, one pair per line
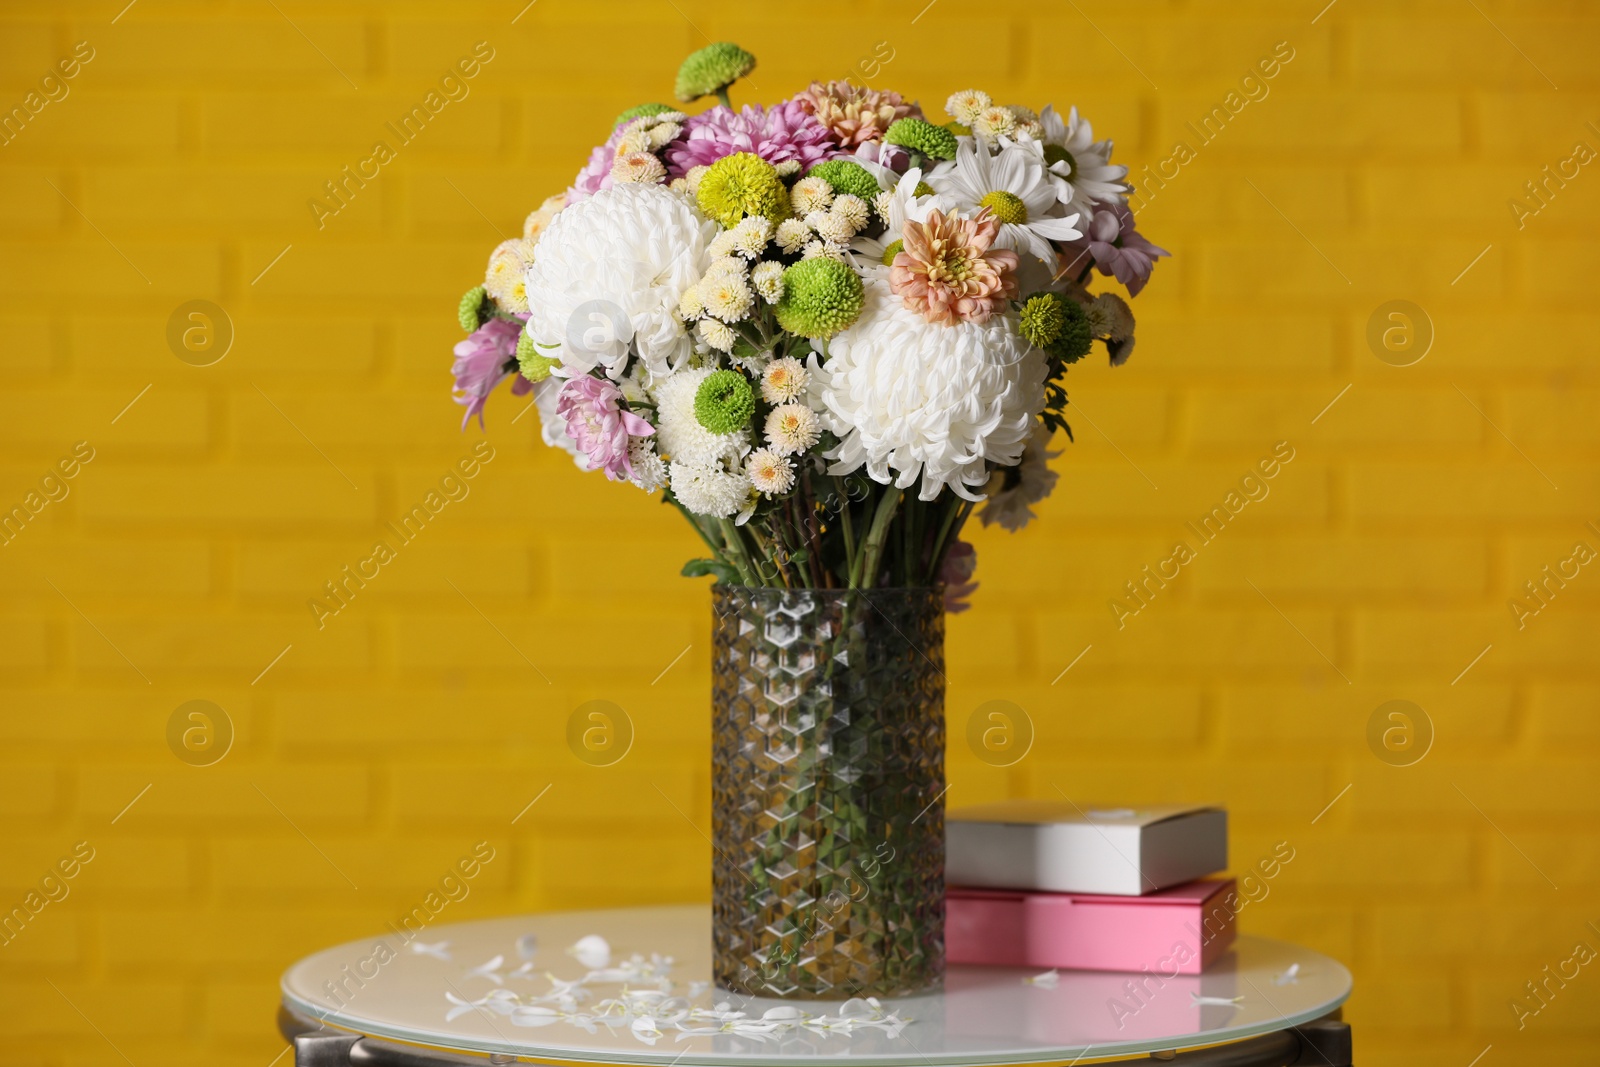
1061, 848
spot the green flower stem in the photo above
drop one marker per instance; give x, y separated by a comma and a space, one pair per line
843, 496
954, 520
722, 95
740, 556
873, 548
818, 575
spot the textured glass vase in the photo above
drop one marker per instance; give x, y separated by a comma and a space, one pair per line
828, 791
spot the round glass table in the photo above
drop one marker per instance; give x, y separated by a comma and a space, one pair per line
631, 986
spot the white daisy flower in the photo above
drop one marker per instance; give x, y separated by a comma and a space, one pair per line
792, 428
649, 472
852, 209
1012, 491
679, 435
792, 235
1016, 188
1082, 163
784, 380
770, 472
767, 277
966, 105
709, 490
727, 297
810, 194
718, 335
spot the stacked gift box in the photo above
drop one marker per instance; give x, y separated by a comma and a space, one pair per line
1050, 885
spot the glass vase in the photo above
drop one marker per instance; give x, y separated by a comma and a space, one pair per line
828, 791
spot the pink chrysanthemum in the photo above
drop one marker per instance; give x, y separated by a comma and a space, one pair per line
596, 174
483, 360
599, 426
853, 114
776, 134
949, 272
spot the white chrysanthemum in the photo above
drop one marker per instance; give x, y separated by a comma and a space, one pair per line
994, 121
1015, 185
792, 235
751, 235
649, 472
1012, 491
504, 278
1087, 174
611, 270
721, 245
638, 167
690, 306
680, 186
853, 210
693, 176
726, 296
664, 134
767, 277
828, 249
966, 105
835, 229
911, 399
810, 194
784, 380
1022, 114
792, 428
726, 267
769, 471
709, 490
679, 435
788, 167
717, 334
635, 385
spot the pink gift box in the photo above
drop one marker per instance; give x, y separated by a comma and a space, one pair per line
1170, 932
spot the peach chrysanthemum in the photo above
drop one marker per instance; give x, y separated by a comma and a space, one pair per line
855, 115
949, 272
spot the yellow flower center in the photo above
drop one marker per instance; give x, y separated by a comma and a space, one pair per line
1007, 207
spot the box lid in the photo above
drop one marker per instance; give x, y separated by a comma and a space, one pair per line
1043, 812
1189, 893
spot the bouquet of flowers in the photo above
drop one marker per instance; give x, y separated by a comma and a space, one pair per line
825, 330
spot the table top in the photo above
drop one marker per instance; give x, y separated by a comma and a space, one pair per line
632, 986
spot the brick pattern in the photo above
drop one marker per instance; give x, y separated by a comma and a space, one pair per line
424, 716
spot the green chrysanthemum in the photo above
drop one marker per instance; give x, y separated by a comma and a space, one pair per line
724, 402
534, 367
471, 302
739, 185
1057, 325
846, 177
894, 249
821, 296
712, 70
640, 112
935, 142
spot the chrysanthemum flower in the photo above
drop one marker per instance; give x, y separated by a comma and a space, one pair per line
935, 142
792, 428
649, 472
767, 277
599, 425
784, 380
709, 490
504, 279
724, 402
810, 194
769, 471
751, 236
679, 435
739, 185
1115, 247
690, 306
637, 167
949, 272
994, 121
467, 311
726, 296
711, 70
831, 227
718, 335
853, 114
482, 362
853, 210
780, 134
540, 217
821, 297
792, 235
966, 105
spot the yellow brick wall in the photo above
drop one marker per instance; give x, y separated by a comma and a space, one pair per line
430, 712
